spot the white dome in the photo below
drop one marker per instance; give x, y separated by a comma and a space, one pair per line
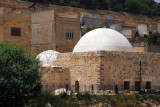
48, 58
103, 39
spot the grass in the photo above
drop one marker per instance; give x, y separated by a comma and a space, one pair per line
85, 99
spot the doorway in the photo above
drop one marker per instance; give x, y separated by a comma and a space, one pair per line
77, 86
148, 85
126, 85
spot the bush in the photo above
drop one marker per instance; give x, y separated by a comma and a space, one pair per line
153, 39
20, 79
118, 8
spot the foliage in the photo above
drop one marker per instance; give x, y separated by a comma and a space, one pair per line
19, 76
118, 7
86, 99
146, 7
46, 98
133, 6
153, 39
92, 28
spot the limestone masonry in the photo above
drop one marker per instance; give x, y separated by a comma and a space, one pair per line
114, 61
103, 70
39, 31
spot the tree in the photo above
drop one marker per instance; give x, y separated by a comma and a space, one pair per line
118, 8
133, 6
20, 79
153, 39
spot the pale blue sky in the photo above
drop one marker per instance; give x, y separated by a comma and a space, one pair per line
157, 1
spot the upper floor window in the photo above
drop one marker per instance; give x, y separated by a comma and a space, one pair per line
15, 31
69, 35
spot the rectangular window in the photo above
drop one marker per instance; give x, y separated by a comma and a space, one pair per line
137, 85
69, 35
72, 35
126, 85
148, 85
15, 31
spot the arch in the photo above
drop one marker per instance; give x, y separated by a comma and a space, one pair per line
77, 86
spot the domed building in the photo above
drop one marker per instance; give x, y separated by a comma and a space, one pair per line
54, 77
103, 39
102, 59
48, 58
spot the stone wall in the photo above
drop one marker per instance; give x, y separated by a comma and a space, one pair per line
158, 27
142, 47
84, 68
118, 67
16, 18
153, 48
139, 47
1, 24
76, 15
117, 27
66, 26
43, 31
144, 29
95, 22
55, 78
40, 30
129, 34
104, 69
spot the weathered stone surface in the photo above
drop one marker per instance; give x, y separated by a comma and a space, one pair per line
40, 30
117, 67
55, 78
158, 27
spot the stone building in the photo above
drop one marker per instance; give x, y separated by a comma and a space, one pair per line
129, 32
118, 25
38, 31
158, 27
104, 58
88, 22
54, 77
144, 30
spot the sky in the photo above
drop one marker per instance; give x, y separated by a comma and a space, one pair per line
157, 1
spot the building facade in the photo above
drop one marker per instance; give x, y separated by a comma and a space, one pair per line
104, 70
39, 30
103, 59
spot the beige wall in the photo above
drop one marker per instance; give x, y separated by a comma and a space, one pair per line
84, 67
1, 33
55, 78
129, 34
158, 27
70, 16
65, 25
125, 66
43, 16
139, 49
40, 31
104, 69
20, 19
43, 31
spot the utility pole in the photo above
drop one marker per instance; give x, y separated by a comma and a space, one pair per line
140, 76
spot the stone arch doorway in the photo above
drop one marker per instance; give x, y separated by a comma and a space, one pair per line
76, 86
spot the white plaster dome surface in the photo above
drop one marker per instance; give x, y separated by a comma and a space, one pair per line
103, 39
48, 58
